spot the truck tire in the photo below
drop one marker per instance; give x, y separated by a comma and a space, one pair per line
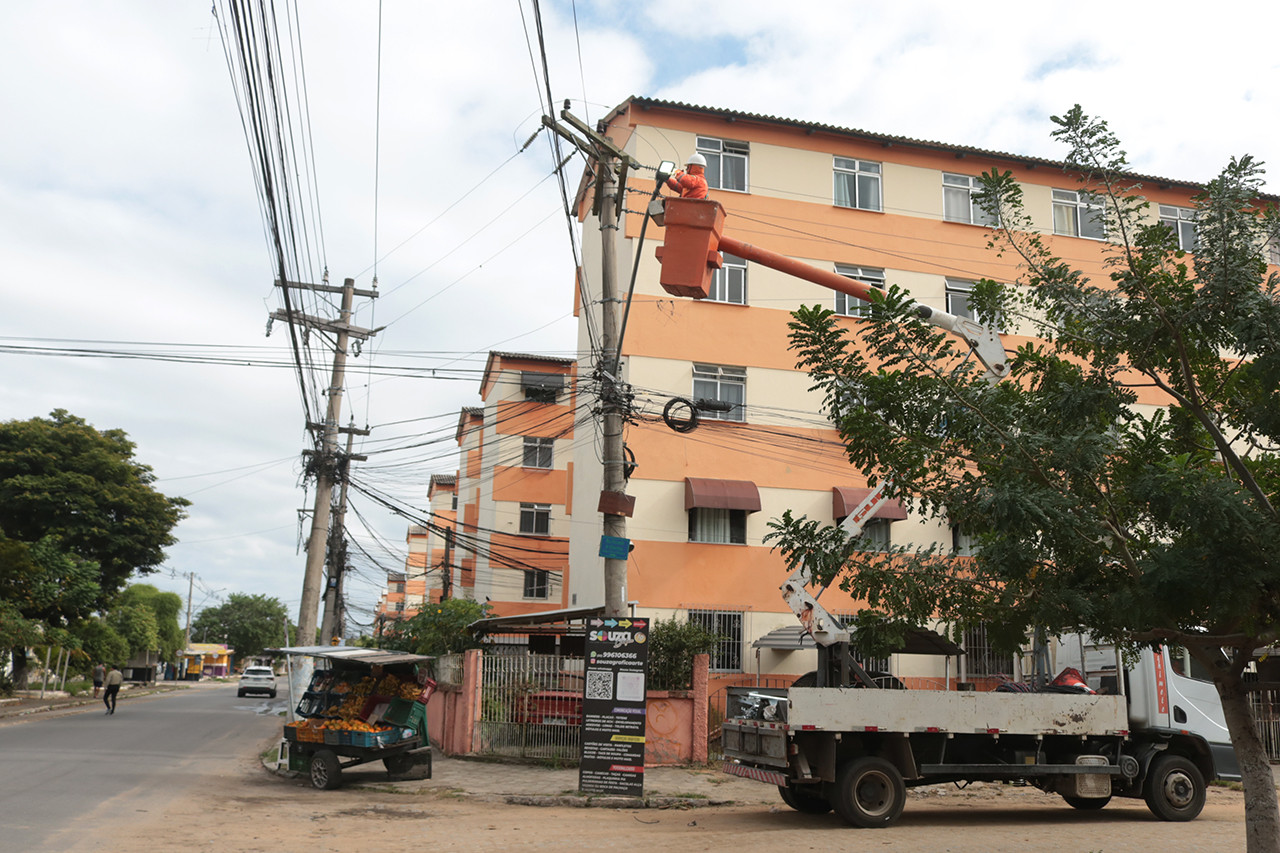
399, 764
1174, 789
326, 772
869, 793
1087, 804
803, 801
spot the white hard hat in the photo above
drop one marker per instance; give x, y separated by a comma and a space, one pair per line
696, 159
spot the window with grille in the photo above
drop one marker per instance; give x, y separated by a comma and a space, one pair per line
718, 526
857, 183
727, 625
852, 306
963, 543
726, 163
979, 658
729, 283
535, 519
1183, 222
957, 200
718, 384
537, 452
536, 583
1078, 214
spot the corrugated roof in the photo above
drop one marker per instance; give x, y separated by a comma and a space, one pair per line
355, 654
883, 138
532, 356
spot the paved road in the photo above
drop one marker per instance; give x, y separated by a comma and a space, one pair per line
64, 777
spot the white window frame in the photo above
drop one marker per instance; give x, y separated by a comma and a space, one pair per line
538, 452
1073, 211
963, 544
857, 174
852, 306
1273, 247
958, 292
711, 526
957, 200
728, 626
537, 584
1183, 222
710, 381
533, 516
718, 152
729, 283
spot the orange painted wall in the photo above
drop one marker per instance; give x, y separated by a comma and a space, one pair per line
541, 552
547, 420
530, 485
473, 464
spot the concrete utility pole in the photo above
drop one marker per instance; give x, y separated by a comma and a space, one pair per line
446, 579
334, 619
325, 457
186, 639
612, 164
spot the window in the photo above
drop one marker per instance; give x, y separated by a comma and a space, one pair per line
537, 452
1273, 247
727, 625
536, 583
541, 387
857, 184
958, 293
535, 519
1078, 215
398, 586
979, 658
729, 283
957, 200
726, 163
453, 504
1183, 222
963, 543
718, 526
852, 306
1185, 665
717, 384
875, 534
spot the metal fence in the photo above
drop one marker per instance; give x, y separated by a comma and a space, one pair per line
531, 706
1265, 705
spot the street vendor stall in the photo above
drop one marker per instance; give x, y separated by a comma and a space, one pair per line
360, 705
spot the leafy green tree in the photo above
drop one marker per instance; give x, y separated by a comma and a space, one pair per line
165, 607
672, 646
66, 487
1123, 479
437, 629
247, 623
137, 625
101, 643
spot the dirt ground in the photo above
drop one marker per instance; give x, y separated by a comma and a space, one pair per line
252, 810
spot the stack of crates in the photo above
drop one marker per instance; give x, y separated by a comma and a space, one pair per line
408, 714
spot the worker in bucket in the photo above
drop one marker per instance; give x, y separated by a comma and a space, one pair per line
690, 182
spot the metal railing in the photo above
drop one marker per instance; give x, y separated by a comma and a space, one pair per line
531, 706
1265, 705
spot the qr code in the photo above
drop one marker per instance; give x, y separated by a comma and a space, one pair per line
599, 684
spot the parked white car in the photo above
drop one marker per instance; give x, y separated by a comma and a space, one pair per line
257, 679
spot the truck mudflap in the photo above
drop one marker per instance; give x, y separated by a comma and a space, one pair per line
772, 777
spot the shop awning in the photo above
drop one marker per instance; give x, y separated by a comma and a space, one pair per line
845, 499
535, 623
919, 641
721, 494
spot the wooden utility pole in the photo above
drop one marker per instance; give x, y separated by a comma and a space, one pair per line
612, 164
325, 457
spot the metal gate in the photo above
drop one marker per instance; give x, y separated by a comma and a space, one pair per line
1265, 705
531, 706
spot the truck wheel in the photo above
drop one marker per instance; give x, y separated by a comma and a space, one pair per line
1086, 804
1174, 789
802, 801
326, 773
869, 793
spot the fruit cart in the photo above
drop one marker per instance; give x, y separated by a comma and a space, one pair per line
359, 706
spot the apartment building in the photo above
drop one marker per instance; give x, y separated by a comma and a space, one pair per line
883, 209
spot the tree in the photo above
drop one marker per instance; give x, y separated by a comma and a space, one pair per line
101, 642
1123, 479
247, 623
75, 505
165, 607
438, 629
672, 646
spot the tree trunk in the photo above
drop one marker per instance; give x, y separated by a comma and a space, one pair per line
1261, 811
19, 655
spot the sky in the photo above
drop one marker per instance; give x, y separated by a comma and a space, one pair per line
130, 221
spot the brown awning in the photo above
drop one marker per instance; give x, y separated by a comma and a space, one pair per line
721, 494
845, 499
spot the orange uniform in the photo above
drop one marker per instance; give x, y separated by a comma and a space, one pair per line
690, 184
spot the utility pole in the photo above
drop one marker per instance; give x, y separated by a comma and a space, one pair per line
447, 578
612, 164
334, 609
324, 458
186, 639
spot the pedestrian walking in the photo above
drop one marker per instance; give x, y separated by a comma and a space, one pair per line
114, 679
99, 673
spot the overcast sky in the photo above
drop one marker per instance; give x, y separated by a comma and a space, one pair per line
129, 215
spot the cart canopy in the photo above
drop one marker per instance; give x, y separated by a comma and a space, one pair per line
355, 654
